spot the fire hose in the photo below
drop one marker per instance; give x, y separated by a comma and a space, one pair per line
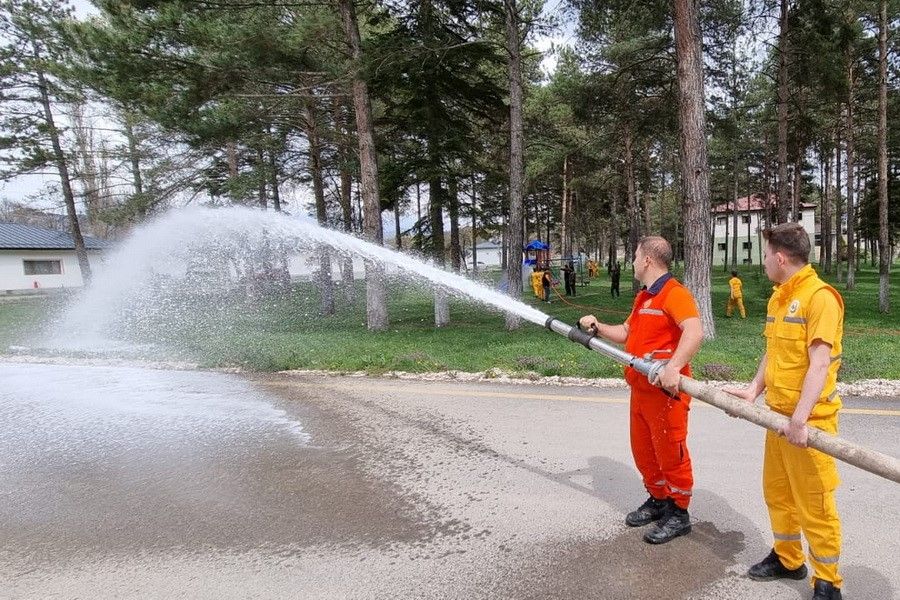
864, 458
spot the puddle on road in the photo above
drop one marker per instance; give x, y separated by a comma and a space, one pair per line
109, 461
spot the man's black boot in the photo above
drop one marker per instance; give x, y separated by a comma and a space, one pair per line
646, 513
771, 568
825, 590
675, 523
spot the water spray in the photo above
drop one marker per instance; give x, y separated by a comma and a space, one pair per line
129, 280
839, 448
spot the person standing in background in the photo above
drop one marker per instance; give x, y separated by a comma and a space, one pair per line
736, 296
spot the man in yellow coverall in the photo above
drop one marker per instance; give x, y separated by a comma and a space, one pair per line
798, 372
536, 285
736, 297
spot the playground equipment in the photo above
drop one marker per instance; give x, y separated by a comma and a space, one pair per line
841, 449
537, 254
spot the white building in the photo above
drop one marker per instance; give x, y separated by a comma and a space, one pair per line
34, 259
488, 254
751, 219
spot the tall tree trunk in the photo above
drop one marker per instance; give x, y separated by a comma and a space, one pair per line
694, 161
516, 158
474, 229
766, 213
634, 214
62, 168
141, 204
453, 213
838, 211
342, 125
851, 210
261, 176
646, 197
438, 252
376, 294
359, 206
568, 217
799, 159
615, 209
885, 252
86, 167
398, 237
749, 212
782, 110
273, 180
436, 216
727, 233
232, 156
827, 218
661, 202
734, 220
419, 233
734, 152
325, 283
504, 246
134, 156
797, 192
678, 206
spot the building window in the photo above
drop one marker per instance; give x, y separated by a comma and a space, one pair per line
723, 246
42, 267
745, 219
748, 245
721, 220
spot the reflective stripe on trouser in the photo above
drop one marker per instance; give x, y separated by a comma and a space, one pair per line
732, 302
799, 484
658, 444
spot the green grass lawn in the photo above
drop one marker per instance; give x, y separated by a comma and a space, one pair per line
288, 333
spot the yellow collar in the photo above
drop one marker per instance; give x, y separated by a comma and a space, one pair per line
785, 290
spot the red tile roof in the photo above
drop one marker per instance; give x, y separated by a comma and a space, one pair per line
756, 202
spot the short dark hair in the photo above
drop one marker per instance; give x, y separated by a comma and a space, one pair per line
734, 273
657, 248
789, 238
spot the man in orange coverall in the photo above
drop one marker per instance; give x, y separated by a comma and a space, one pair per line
798, 372
736, 296
664, 324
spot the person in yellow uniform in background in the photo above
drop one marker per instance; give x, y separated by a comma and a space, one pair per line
736, 298
536, 286
798, 372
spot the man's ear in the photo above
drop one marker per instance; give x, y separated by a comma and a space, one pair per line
780, 258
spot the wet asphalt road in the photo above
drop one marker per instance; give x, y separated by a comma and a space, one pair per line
128, 483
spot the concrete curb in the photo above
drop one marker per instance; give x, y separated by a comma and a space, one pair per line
888, 389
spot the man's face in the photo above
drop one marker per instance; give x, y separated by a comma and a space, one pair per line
640, 263
773, 262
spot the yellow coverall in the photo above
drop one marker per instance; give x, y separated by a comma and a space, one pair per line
536, 285
799, 483
736, 298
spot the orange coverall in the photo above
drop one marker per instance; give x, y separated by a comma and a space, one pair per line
658, 421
